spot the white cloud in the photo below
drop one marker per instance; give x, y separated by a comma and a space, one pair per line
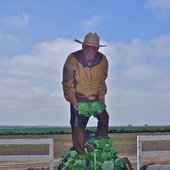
162, 5
8, 37
138, 85
128, 54
161, 46
138, 80
92, 22
30, 85
17, 21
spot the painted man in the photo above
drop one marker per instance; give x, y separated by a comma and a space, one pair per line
84, 75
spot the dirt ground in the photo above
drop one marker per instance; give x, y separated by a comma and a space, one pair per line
125, 144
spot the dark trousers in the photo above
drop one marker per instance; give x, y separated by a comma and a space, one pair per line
79, 122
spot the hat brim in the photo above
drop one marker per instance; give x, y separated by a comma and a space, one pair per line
90, 44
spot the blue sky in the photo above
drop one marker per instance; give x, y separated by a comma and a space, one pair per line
37, 36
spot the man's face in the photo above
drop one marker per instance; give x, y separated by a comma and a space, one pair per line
89, 51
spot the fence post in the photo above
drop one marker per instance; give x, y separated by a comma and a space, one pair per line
139, 149
157, 153
51, 150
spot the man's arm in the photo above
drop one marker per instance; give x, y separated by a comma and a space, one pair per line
69, 79
103, 88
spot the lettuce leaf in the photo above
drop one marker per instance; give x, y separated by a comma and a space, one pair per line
100, 153
90, 108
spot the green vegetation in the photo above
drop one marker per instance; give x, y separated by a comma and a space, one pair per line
139, 129
67, 130
90, 108
35, 131
100, 154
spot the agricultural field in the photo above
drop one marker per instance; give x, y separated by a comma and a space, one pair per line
41, 130
124, 142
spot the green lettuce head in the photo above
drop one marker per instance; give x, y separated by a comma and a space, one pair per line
83, 108
90, 108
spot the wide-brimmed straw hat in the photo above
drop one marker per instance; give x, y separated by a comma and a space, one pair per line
91, 39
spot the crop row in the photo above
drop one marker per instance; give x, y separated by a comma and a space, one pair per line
67, 130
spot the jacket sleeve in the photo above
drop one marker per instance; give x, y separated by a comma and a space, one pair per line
69, 79
102, 87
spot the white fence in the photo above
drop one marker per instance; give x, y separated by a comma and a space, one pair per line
141, 154
49, 157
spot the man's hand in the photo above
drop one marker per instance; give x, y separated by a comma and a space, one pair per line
75, 106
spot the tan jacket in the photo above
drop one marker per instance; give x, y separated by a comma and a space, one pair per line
82, 82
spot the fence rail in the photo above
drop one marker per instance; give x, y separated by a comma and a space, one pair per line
141, 154
49, 157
